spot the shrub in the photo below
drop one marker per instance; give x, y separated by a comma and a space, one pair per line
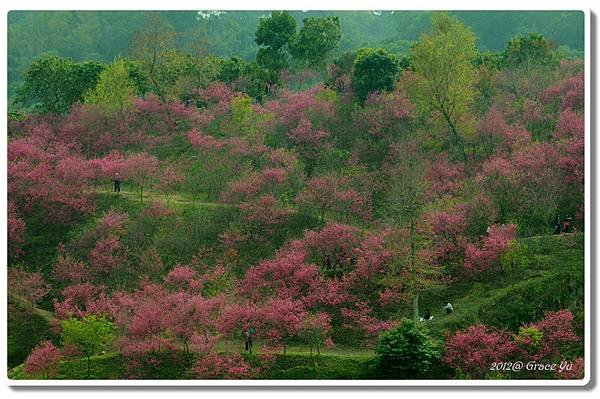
406, 351
516, 258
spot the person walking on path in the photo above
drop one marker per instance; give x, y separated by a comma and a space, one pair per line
248, 339
117, 181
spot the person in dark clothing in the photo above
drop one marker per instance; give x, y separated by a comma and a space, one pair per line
426, 315
328, 262
248, 339
117, 181
557, 225
567, 224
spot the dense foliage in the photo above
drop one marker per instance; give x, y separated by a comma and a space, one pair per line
406, 351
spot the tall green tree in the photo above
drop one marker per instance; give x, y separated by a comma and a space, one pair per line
528, 64
274, 36
276, 31
56, 83
114, 90
92, 334
444, 78
374, 70
316, 40
530, 49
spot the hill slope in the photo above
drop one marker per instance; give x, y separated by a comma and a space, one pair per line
549, 281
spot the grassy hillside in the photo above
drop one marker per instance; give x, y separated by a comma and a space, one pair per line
552, 279
549, 280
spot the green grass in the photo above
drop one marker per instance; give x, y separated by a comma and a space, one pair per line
102, 367
298, 349
175, 201
553, 280
24, 333
290, 366
293, 366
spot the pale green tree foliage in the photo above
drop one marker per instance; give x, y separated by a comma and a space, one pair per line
114, 90
91, 334
443, 82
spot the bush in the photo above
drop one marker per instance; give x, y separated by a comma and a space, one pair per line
516, 258
406, 351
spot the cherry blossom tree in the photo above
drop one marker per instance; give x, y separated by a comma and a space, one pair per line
43, 361
473, 350
492, 246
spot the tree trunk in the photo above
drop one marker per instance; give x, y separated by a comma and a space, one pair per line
416, 306
413, 269
456, 139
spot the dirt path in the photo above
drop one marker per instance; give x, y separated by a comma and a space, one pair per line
178, 200
150, 195
44, 314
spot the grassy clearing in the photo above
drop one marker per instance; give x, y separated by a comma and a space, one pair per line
174, 200
553, 280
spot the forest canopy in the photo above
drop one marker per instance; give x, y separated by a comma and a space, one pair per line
104, 35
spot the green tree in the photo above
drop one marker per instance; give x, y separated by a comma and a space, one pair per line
91, 334
274, 36
316, 40
137, 76
57, 83
529, 50
272, 60
406, 351
374, 70
528, 65
231, 69
444, 76
114, 90
276, 31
